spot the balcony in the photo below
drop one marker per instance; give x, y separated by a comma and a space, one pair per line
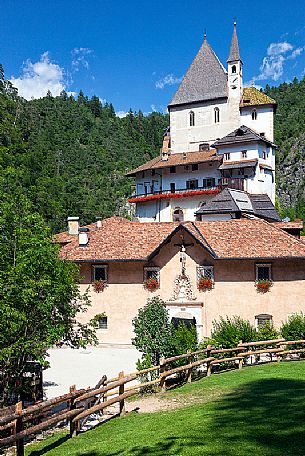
173, 193
234, 183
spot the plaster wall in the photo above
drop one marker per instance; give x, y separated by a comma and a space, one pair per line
263, 122
234, 292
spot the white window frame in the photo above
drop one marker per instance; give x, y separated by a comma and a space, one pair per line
263, 265
96, 266
205, 272
154, 269
192, 118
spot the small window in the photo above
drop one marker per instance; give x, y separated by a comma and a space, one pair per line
102, 323
172, 169
254, 114
152, 272
262, 319
153, 172
192, 119
208, 182
140, 189
234, 69
205, 272
204, 146
173, 187
178, 215
243, 154
216, 115
264, 155
227, 156
192, 184
100, 272
263, 272
195, 167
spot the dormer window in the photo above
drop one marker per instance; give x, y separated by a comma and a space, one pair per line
178, 215
234, 69
227, 156
216, 115
254, 114
192, 119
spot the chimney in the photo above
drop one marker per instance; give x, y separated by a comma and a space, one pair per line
83, 237
98, 222
73, 225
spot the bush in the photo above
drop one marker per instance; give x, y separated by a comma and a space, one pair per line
294, 328
145, 363
184, 338
267, 331
229, 331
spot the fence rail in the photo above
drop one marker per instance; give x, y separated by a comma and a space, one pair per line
80, 404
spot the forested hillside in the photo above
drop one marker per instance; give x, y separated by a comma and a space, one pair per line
69, 156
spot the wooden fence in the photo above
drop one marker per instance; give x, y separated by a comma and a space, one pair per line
77, 406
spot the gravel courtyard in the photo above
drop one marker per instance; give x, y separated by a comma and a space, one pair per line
85, 367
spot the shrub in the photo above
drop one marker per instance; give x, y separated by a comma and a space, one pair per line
145, 363
294, 328
229, 331
267, 331
184, 338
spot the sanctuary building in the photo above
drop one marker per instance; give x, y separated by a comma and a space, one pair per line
206, 233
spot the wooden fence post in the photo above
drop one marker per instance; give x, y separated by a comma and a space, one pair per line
19, 428
74, 425
162, 379
121, 391
189, 371
241, 360
209, 367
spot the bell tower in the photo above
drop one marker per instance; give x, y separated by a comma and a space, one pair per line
235, 80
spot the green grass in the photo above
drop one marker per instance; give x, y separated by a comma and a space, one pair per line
257, 411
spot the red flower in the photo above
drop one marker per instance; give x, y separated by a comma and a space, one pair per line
151, 284
142, 199
205, 283
263, 286
99, 285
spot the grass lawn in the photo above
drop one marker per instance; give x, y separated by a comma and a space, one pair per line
259, 410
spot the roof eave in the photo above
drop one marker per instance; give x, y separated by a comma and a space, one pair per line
172, 105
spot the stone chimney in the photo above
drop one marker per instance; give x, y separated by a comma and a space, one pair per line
83, 237
73, 225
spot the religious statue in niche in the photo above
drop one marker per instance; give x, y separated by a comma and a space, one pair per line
182, 285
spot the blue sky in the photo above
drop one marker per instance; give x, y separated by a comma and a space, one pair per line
133, 53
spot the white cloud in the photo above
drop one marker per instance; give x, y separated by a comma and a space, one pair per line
298, 51
121, 113
279, 48
39, 77
252, 84
169, 79
79, 58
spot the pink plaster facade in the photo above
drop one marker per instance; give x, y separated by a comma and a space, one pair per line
234, 292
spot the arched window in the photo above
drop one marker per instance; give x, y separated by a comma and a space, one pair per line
178, 215
254, 114
234, 69
216, 115
192, 119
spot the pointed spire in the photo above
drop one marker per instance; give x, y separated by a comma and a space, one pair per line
234, 48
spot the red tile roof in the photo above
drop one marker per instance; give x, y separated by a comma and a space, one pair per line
120, 239
296, 224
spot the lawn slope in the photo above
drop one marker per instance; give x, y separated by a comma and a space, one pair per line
259, 410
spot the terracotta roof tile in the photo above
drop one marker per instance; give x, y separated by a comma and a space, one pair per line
119, 239
178, 159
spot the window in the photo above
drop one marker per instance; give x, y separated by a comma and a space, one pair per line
147, 188
205, 272
234, 69
208, 182
172, 169
140, 189
261, 319
216, 115
173, 187
264, 155
100, 272
102, 323
227, 156
192, 119
243, 154
263, 272
178, 215
152, 272
192, 184
254, 114
204, 146
195, 167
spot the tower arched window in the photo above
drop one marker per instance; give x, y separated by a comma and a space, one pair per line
192, 119
178, 215
216, 115
234, 69
254, 114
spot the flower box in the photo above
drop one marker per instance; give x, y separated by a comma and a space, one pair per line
263, 286
205, 284
99, 285
151, 284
